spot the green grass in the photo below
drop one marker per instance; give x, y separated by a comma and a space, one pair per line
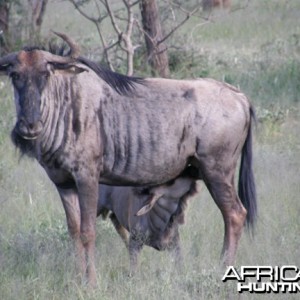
257, 49
36, 254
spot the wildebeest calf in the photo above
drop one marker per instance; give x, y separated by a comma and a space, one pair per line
157, 228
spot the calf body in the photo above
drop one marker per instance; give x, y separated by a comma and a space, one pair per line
158, 227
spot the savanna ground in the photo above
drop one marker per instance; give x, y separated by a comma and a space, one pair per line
257, 49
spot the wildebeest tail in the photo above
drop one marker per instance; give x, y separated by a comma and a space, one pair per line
246, 186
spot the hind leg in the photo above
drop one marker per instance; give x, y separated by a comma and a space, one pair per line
221, 188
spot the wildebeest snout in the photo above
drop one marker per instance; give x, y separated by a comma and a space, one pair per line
29, 130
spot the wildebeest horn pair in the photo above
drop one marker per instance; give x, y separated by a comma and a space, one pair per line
49, 57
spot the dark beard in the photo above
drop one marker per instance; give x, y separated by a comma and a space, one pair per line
26, 147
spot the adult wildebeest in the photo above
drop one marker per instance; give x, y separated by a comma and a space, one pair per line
86, 125
157, 228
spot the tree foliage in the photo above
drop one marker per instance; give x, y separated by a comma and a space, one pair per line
140, 31
20, 21
137, 25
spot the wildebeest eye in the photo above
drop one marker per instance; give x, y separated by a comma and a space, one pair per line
45, 75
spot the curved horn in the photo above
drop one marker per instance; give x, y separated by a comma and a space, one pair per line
8, 59
75, 49
74, 54
52, 58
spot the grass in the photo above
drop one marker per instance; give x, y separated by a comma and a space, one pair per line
36, 256
256, 49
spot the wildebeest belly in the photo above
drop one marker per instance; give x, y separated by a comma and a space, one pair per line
145, 146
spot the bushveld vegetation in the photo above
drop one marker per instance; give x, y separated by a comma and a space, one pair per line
257, 49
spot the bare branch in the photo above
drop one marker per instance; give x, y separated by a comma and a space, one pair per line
123, 22
135, 3
127, 37
97, 22
140, 28
112, 18
178, 25
130, 17
188, 14
78, 8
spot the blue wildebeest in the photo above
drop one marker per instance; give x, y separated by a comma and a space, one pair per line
87, 125
157, 228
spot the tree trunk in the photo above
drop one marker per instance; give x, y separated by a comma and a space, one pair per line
38, 9
157, 52
4, 19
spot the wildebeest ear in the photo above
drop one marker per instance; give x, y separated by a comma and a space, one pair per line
68, 69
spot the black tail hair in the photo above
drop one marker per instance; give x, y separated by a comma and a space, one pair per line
246, 186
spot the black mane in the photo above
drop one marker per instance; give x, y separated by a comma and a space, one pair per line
120, 83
